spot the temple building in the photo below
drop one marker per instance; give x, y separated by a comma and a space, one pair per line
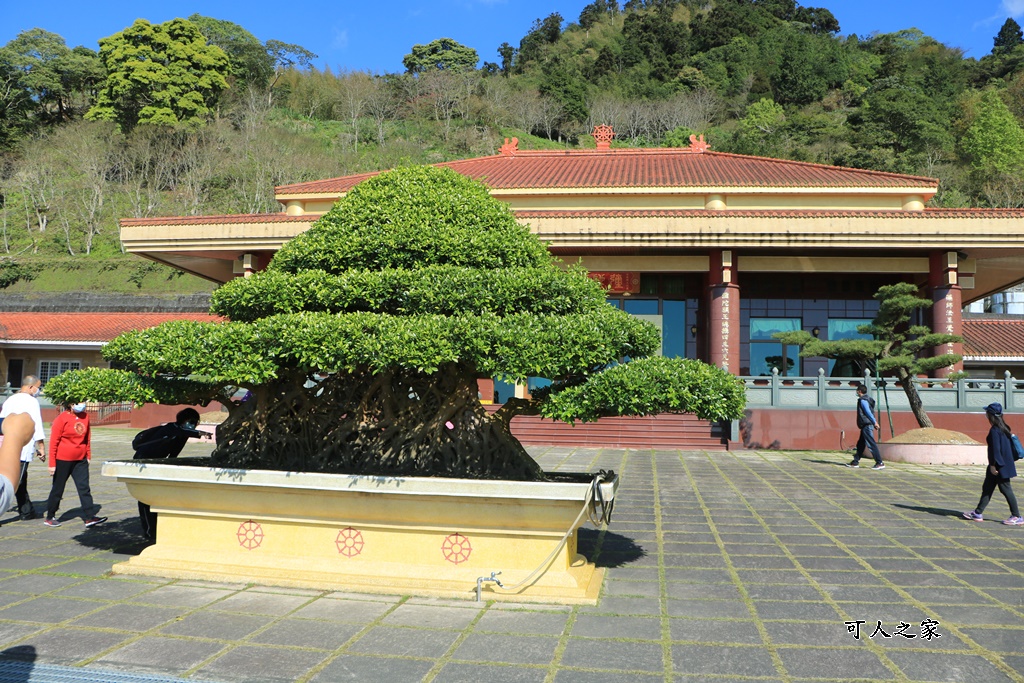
720, 251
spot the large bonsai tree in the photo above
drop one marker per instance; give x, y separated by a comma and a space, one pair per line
362, 342
896, 346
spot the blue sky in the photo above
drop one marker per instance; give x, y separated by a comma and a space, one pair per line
374, 36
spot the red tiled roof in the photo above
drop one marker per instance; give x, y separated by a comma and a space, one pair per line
994, 337
85, 327
217, 220
674, 167
769, 213
527, 214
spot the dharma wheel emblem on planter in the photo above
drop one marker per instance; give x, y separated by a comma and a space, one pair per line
349, 542
250, 534
456, 548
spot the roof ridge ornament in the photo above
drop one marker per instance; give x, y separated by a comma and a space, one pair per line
697, 145
603, 136
510, 147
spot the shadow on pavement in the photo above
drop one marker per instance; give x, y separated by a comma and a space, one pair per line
940, 512
16, 664
616, 550
825, 462
123, 536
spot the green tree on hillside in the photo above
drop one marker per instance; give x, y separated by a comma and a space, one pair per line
162, 74
995, 140
1009, 37
43, 82
250, 63
441, 54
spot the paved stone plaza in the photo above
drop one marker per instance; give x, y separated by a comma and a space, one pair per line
723, 567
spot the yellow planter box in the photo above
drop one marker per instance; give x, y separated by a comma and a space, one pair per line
399, 535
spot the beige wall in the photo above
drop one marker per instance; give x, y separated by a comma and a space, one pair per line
31, 358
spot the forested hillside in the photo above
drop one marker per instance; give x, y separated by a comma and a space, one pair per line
198, 116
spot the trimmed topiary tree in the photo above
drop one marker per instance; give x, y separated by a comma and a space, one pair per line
362, 342
898, 347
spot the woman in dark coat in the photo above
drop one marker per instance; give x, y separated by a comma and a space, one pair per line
1001, 467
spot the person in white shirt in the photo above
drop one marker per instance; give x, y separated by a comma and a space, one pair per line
25, 402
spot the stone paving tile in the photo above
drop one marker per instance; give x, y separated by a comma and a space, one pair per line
405, 642
622, 606
155, 654
458, 672
609, 654
931, 666
708, 609
707, 630
246, 664
104, 590
36, 584
505, 649
128, 617
524, 623
255, 602
70, 646
12, 632
307, 634
722, 660
48, 610
429, 616
331, 609
357, 668
844, 664
181, 596
639, 628
216, 625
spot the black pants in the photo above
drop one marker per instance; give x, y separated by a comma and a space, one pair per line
991, 482
867, 440
25, 506
147, 518
79, 471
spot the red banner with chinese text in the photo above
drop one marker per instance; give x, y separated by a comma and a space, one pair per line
619, 282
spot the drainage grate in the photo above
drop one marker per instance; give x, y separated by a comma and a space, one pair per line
15, 671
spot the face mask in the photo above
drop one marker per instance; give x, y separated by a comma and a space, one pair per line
78, 407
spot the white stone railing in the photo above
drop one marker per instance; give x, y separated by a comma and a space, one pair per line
837, 393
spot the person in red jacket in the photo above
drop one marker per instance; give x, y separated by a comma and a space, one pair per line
70, 452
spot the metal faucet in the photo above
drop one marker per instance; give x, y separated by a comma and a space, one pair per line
480, 582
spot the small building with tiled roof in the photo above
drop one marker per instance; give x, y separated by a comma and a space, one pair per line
994, 345
718, 250
46, 344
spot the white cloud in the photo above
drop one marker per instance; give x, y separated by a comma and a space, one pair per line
340, 39
1014, 8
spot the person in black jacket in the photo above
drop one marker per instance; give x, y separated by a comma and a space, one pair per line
1001, 468
164, 441
867, 423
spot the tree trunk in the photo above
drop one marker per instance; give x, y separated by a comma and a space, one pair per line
914, 398
398, 423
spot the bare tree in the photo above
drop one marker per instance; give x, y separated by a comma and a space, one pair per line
549, 114
353, 90
382, 104
525, 110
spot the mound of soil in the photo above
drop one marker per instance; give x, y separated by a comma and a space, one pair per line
933, 436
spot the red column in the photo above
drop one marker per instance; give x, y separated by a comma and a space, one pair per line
947, 304
723, 336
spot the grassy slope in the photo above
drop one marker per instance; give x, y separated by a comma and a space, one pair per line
117, 275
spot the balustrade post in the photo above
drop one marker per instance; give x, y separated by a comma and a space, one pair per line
961, 393
1007, 390
776, 388
821, 388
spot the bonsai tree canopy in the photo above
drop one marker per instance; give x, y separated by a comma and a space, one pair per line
897, 346
361, 343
